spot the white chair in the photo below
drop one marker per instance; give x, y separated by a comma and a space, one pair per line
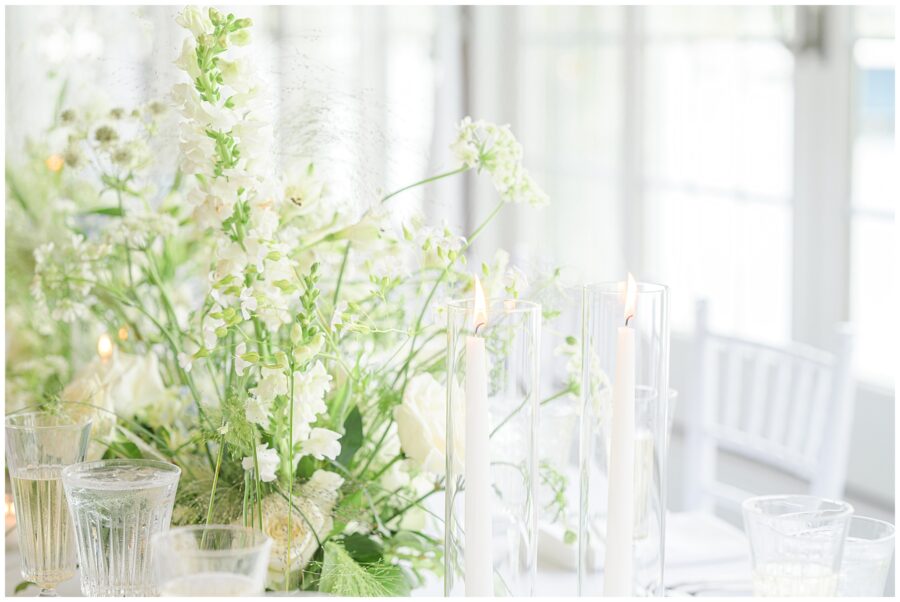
788, 408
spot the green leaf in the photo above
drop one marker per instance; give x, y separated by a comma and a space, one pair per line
111, 211
362, 548
124, 449
22, 587
352, 439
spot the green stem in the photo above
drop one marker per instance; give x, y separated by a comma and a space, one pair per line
412, 504
427, 304
337, 287
426, 181
290, 546
212, 493
557, 395
258, 486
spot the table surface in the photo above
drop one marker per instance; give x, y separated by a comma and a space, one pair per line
704, 556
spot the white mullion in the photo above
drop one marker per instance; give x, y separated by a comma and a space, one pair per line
634, 222
822, 181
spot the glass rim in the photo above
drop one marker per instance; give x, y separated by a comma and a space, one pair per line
608, 287
9, 424
260, 539
521, 306
892, 534
170, 472
752, 505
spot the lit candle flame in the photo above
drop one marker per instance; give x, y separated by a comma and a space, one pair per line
479, 312
630, 298
54, 162
104, 347
123, 334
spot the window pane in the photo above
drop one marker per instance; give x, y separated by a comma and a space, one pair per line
719, 115
874, 176
719, 168
874, 192
873, 301
733, 253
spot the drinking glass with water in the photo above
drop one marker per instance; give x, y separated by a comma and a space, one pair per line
117, 506
796, 544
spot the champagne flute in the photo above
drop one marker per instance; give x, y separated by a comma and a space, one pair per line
39, 444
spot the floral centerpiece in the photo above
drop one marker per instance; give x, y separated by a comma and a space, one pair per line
276, 345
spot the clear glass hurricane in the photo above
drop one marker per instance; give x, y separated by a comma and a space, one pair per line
39, 445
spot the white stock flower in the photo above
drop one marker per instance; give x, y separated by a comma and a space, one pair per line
321, 444
268, 462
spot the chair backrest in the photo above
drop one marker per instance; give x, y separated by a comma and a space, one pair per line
790, 408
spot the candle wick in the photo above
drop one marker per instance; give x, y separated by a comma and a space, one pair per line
477, 326
628, 318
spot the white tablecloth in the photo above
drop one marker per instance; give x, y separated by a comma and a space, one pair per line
704, 556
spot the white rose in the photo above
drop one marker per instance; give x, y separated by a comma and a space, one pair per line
422, 423
135, 384
293, 547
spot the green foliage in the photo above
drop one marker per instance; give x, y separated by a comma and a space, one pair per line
344, 576
352, 439
21, 587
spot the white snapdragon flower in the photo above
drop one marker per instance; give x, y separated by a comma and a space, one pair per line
311, 386
196, 20
239, 363
248, 303
493, 148
272, 383
187, 60
321, 444
268, 462
257, 411
232, 260
210, 327
338, 316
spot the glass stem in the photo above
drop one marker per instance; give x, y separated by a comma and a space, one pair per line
48, 592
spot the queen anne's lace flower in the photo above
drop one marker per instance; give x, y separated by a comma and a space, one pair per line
493, 148
65, 275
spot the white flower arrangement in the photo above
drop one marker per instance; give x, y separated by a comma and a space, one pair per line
306, 401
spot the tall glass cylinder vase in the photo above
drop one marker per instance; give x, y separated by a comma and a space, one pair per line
492, 413
625, 389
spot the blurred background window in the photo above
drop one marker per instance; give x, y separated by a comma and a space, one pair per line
874, 192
